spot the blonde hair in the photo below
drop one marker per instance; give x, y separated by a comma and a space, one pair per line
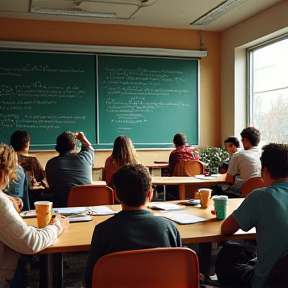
8, 162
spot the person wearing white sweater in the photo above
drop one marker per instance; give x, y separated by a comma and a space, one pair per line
16, 236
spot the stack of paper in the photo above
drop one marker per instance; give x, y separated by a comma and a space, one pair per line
165, 206
79, 218
68, 211
100, 210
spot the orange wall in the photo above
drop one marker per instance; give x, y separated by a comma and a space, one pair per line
131, 36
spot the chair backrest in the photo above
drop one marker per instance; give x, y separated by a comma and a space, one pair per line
278, 276
188, 168
251, 184
90, 195
153, 268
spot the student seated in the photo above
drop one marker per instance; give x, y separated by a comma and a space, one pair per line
123, 153
266, 209
70, 168
244, 164
20, 141
232, 146
16, 236
18, 187
134, 227
182, 151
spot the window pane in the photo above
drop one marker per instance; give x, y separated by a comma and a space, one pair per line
269, 91
270, 115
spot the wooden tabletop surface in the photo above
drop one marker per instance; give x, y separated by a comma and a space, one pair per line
78, 236
176, 180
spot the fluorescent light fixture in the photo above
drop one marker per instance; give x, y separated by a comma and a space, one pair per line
72, 13
217, 12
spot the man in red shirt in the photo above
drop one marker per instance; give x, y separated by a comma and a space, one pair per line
182, 151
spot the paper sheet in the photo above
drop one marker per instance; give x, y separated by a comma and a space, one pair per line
181, 218
165, 206
100, 210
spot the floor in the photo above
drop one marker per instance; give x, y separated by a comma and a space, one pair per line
74, 268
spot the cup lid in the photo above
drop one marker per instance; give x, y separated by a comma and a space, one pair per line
43, 203
204, 189
220, 197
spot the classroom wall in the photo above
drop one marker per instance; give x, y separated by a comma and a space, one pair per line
131, 36
261, 27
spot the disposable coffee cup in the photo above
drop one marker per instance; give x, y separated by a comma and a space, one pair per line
205, 194
43, 212
220, 204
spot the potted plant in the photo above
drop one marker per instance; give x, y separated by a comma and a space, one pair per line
213, 158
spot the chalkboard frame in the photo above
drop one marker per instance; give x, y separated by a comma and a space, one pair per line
99, 50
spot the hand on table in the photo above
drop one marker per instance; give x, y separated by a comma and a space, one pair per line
61, 222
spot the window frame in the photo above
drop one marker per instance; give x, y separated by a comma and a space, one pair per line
250, 78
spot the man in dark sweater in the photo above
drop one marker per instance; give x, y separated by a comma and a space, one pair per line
69, 168
134, 227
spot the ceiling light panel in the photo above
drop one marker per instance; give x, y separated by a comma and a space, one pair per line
217, 12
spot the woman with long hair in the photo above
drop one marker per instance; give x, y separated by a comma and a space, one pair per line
16, 236
123, 154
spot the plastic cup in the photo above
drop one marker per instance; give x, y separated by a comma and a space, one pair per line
43, 212
205, 194
220, 204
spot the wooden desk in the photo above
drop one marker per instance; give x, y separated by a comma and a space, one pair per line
158, 165
78, 238
182, 181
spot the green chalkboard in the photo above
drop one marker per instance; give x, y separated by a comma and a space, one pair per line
46, 94
148, 99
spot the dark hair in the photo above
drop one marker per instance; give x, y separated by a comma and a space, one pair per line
275, 159
179, 139
252, 134
19, 140
123, 152
132, 183
66, 142
234, 140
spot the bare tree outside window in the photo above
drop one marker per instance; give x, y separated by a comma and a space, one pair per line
269, 91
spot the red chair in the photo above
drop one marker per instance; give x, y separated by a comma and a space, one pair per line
188, 168
90, 195
153, 268
251, 184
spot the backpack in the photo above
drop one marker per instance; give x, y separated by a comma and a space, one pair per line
232, 261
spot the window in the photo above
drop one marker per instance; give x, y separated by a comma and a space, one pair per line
268, 85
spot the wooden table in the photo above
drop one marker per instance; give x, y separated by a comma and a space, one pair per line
182, 181
78, 238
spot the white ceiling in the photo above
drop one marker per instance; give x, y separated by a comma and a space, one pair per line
153, 13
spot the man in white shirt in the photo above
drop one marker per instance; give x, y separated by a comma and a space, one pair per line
244, 164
